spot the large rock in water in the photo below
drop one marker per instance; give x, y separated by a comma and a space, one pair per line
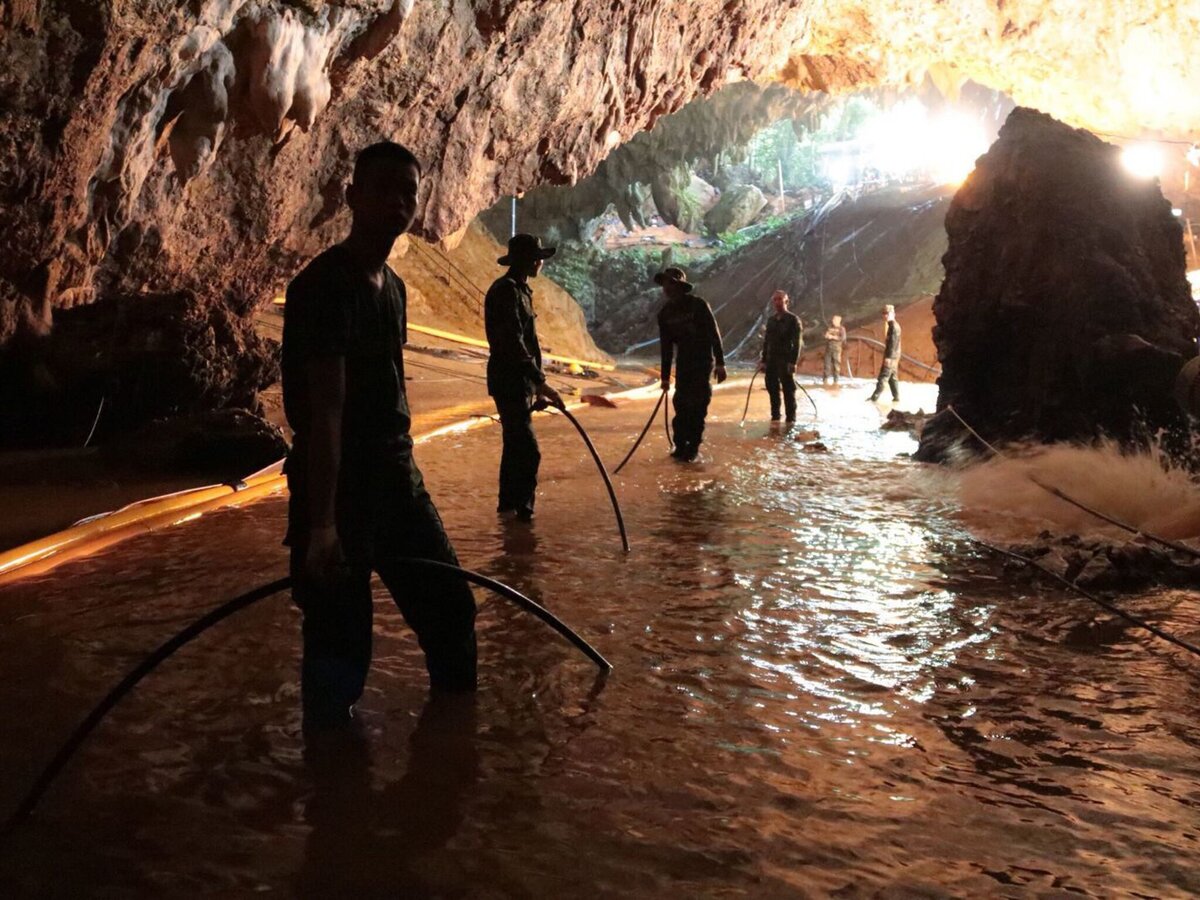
736, 209
1053, 246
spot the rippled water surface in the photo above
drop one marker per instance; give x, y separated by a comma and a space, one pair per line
821, 688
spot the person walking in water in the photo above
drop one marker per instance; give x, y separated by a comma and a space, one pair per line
835, 342
891, 357
514, 371
689, 337
782, 345
358, 502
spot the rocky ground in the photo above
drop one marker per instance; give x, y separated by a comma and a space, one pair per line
1131, 565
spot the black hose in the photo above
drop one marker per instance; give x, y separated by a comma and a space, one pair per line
746, 408
816, 415
224, 611
612, 494
637, 443
127, 684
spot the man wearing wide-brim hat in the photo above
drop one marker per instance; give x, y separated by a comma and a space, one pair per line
514, 371
690, 338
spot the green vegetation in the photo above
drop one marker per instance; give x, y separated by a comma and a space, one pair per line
796, 145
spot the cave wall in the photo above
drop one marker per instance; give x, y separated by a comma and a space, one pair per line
156, 146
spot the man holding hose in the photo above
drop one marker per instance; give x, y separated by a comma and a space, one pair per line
358, 502
690, 338
514, 371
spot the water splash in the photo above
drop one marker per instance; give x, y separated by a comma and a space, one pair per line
1001, 501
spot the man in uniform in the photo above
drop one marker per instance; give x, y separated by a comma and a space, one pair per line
358, 501
514, 371
782, 344
686, 323
891, 357
835, 342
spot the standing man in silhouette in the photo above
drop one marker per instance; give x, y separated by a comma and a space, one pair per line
891, 357
358, 501
835, 342
686, 324
514, 371
782, 345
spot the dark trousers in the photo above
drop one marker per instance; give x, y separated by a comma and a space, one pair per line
887, 375
833, 362
692, 397
520, 458
780, 380
397, 519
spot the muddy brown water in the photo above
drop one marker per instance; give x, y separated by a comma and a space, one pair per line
821, 688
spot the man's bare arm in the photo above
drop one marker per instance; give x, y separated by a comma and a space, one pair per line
327, 392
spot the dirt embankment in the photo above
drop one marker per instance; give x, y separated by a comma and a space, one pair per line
849, 257
446, 290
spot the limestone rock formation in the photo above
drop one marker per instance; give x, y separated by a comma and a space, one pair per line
701, 130
737, 208
1052, 247
161, 146
165, 149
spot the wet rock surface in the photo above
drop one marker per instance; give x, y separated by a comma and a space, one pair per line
116, 365
1111, 565
1054, 246
225, 444
912, 422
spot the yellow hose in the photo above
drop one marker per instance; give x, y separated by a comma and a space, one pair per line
477, 342
153, 514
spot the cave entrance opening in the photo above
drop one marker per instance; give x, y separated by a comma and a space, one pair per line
835, 200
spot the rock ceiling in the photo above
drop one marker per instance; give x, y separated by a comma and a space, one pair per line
156, 145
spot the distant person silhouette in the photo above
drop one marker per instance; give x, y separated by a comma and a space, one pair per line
689, 337
514, 371
783, 342
835, 343
358, 501
889, 369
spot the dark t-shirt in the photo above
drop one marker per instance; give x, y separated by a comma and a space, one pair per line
514, 367
333, 310
687, 324
783, 340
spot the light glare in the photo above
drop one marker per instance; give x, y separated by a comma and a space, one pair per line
1142, 160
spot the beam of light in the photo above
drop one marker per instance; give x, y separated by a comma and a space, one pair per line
907, 140
1143, 160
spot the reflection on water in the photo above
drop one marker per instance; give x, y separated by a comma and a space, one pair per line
820, 688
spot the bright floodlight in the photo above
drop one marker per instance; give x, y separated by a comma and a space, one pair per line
907, 138
1142, 160
956, 141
